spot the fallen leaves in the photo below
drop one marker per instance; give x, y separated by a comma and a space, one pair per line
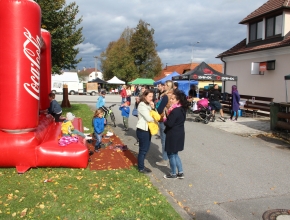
23, 212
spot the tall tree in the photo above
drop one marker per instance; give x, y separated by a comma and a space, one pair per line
60, 20
143, 49
117, 60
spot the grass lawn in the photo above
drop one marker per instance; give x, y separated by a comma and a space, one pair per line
80, 193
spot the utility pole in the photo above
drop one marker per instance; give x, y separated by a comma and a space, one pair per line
192, 51
96, 63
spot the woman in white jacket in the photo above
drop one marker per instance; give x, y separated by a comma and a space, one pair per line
143, 133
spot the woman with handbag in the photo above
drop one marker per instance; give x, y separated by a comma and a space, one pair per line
143, 132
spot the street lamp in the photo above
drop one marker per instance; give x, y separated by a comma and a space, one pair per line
192, 50
96, 63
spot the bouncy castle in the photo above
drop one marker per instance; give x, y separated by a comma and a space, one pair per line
28, 137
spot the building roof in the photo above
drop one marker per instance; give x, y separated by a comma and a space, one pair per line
241, 47
86, 71
183, 68
269, 6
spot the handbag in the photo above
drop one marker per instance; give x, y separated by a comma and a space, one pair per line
135, 112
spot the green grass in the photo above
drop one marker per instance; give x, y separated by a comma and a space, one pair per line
80, 193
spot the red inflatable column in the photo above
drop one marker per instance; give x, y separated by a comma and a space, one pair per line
45, 70
20, 45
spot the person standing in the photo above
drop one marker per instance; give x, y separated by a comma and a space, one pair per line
99, 127
125, 112
235, 103
129, 94
175, 133
143, 133
214, 97
101, 103
192, 92
175, 85
162, 109
123, 94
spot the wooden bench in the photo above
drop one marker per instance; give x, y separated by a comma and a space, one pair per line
254, 105
247, 108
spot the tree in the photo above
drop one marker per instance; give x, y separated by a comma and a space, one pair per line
117, 60
143, 49
60, 20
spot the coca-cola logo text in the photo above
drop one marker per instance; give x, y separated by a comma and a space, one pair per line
31, 49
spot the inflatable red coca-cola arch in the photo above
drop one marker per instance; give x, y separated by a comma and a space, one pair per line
27, 137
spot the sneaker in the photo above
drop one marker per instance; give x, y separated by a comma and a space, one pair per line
170, 176
145, 170
125, 129
234, 120
163, 163
229, 119
88, 137
223, 119
109, 134
97, 150
137, 143
180, 176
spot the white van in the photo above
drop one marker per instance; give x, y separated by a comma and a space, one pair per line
71, 79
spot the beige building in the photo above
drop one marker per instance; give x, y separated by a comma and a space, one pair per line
262, 59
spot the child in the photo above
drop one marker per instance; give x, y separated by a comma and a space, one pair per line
99, 127
125, 114
54, 108
68, 129
101, 103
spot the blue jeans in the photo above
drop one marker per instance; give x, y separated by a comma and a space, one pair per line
144, 138
163, 137
175, 162
98, 141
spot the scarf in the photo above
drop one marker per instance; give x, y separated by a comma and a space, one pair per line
170, 110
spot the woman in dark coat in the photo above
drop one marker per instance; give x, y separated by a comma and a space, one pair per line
175, 134
235, 103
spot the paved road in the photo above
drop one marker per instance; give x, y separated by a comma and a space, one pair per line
227, 175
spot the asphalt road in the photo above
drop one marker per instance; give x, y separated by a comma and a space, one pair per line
227, 176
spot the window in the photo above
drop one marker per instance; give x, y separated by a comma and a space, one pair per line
256, 30
274, 26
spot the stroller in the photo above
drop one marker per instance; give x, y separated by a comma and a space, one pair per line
203, 110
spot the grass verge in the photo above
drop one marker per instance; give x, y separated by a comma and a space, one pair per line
64, 193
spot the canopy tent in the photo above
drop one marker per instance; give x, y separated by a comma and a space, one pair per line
115, 80
98, 80
204, 72
185, 85
142, 81
182, 85
168, 77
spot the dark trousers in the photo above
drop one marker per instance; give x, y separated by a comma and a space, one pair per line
56, 117
233, 112
144, 138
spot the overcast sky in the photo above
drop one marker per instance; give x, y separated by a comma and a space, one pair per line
178, 25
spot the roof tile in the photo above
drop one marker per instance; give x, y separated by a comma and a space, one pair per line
269, 6
242, 47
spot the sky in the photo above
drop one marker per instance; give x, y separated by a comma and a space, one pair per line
178, 26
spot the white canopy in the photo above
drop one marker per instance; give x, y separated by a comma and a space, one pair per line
115, 80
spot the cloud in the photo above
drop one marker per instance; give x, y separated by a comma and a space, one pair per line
87, 48
177, 24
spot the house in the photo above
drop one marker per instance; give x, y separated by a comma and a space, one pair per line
89, 74
262, 59
183, 68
